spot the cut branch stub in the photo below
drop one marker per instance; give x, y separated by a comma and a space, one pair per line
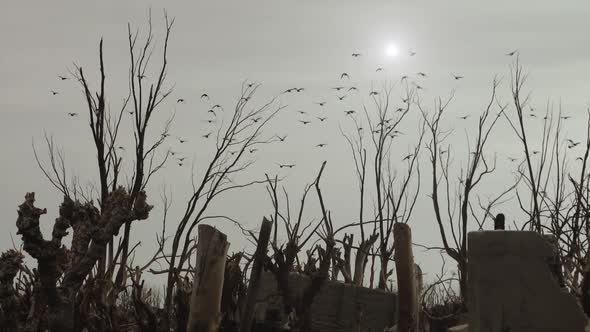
204, 312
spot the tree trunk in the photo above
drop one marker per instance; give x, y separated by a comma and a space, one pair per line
204, 312
254, 283
406, 285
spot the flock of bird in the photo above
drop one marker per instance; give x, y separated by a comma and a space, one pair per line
341, 93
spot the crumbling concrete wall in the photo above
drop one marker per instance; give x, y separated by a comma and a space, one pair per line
338, 307
511, 287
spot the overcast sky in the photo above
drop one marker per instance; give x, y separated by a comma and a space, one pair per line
216, 45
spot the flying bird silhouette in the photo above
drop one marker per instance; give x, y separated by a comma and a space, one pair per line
54, 92
379, 69
282, 139
421, 74
212, 111
341, 97
301, 112
512, 53
63, 78
464, 117
204, 95
356, 55
181, 140
253, 150
72, 114
321, 145
216, 106
321, 119
207, 135
373, 93
286, 165
408, 157
322, 103
412, 53
338, 88
343, 75
300, 89
456, 77
349, 112
352, 88
180, 100
304, 122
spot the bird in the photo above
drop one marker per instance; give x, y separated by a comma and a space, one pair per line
379, 69
209, 121
130, 112
464, 117
301, 112
300, 89
321, 119
499, 221
343, 75
405, 100
321, 145
181, 159
165, 135
412, 53
373, 93
72, 114
352, 88
399, 109
245, 98
532, 115
456, 77
536, 151
349, 112
512, 159
63, 78
403, 78
216, 106
181, 140
566, 117
408, 157
417, 86
341, 97
321, 103
282, 139
180, 100
255, 120
253, 150
121, 148
356, 55
579, 158
421, 74
212, 111
304, 122
338, 88
286, 165
54, 92
207, 135
290, 90
571, 141
204, 95
250, 85
512, 53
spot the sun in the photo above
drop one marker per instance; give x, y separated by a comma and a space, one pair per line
391, 50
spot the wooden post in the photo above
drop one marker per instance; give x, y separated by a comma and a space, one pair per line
418, 283
254, 283
404, 263
204, 312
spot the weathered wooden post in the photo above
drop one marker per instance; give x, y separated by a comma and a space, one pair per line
204, 312
499, 222
254, 283
404, 265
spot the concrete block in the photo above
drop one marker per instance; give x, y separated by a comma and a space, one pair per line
511, 287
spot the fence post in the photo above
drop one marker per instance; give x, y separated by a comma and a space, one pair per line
204, 312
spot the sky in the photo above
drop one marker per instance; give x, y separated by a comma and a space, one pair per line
217, 45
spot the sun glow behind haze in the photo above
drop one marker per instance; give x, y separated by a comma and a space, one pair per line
392, 50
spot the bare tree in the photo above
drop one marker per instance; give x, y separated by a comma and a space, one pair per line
460, 197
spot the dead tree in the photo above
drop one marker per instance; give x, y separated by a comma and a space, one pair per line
60, 300
395, 198
460, 197
204, 313
282, 263
234, 139
260, 257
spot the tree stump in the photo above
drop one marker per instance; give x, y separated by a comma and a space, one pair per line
406, 284
204, 312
